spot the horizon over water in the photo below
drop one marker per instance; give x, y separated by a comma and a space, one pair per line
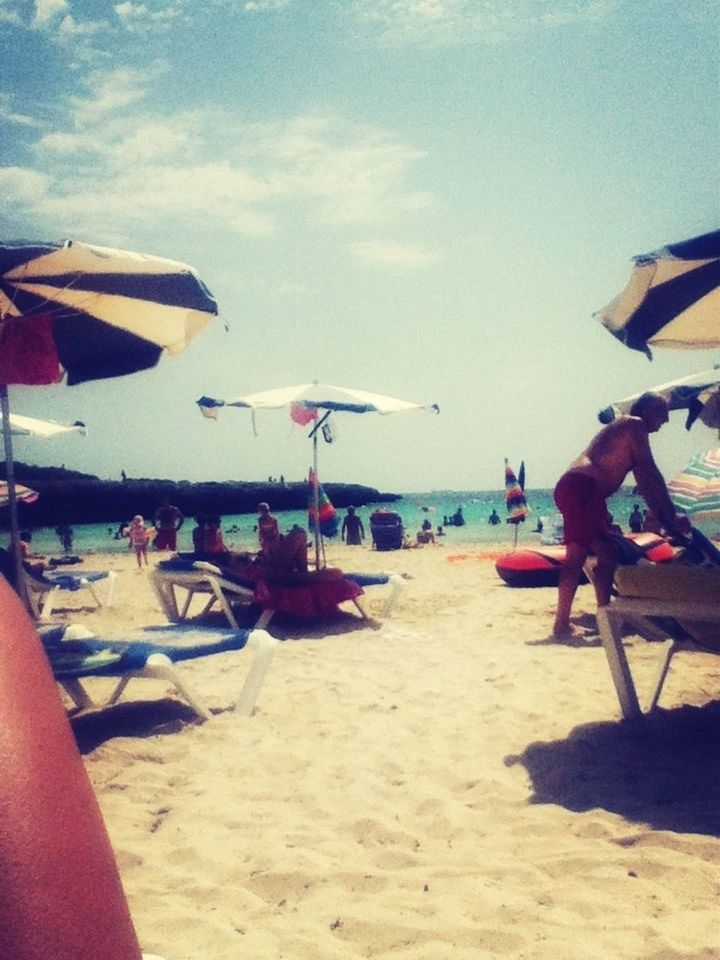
413, 508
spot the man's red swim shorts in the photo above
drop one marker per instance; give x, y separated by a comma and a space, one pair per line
582, 504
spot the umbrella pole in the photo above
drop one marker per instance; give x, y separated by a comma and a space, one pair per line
316, 502
12, 497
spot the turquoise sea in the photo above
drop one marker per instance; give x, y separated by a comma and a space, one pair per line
238, 530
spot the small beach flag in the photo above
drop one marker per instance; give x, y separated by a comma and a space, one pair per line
326, 519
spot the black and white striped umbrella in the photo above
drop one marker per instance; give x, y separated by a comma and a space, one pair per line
88, 312
672, 298
84, 312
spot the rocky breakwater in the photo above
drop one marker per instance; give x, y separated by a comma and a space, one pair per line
83, 498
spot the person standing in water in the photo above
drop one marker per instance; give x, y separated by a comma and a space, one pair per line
353, 532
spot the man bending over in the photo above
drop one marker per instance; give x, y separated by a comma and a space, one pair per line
582, 491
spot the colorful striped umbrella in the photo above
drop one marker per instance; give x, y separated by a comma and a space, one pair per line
22, 494
515, 501
672, 298
322, 515
697, 490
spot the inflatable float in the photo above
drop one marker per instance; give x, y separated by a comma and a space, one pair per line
540, 566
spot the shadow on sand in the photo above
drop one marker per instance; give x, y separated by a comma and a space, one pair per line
136, 718
661, 770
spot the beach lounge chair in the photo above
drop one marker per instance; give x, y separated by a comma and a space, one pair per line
671, 603
394, 581
45, 589
199, 577
76, 655
171, 578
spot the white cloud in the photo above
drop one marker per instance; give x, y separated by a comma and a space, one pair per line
116, 161
253, 6
9, 13
352, 174
143, 17
390, 253
8, 115
448, 22
47, 10
20, 185
112, 91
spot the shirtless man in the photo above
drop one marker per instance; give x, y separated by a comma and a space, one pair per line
582, 491
167, 520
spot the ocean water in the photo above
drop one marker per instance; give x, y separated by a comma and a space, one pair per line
238, 530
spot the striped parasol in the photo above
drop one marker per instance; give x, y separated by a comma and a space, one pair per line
82, 312
672, 298
22, 494
322, 517
696, 491
515, 501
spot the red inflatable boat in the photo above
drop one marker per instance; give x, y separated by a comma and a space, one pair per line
540, 566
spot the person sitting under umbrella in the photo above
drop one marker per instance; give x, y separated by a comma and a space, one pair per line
267, 528
581, 496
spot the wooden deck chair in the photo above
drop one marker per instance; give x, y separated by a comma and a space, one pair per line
76, 655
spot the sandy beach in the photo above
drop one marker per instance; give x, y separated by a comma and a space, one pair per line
444, 783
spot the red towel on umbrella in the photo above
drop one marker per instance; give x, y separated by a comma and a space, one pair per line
27, 351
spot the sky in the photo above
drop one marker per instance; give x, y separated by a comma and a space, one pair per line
422, 198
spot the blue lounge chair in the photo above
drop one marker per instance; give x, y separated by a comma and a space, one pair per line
44, 589
76, 655
223, 589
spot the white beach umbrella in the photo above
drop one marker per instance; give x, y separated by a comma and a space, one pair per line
698, 394
21, 426
304, 402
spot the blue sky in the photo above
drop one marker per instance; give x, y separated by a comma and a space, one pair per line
423, 198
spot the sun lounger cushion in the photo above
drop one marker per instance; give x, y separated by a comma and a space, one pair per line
676, 581
99, 657
75, 655
670, 581
72, 581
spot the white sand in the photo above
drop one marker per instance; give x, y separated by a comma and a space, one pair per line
444, 784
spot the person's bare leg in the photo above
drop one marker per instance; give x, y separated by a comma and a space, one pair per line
575, 557
604, 571
60, 895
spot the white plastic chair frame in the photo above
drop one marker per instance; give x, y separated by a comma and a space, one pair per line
637, 610
42, 597
158, 666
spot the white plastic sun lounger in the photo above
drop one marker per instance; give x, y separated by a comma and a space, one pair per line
200, 577
45, 589
686, 598
76, 655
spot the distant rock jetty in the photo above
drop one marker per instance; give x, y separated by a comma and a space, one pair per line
82, 498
